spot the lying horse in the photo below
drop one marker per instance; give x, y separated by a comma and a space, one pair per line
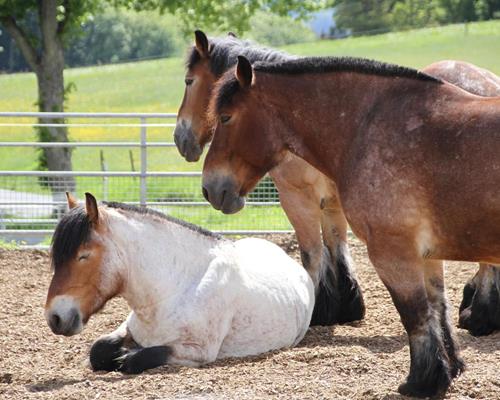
417, 166
308, 198
195, 297
480, 307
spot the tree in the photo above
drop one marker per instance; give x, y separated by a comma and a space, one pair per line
364, 16
42, 44
40, 28
375, 16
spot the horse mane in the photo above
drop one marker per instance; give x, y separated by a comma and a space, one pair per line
224, 52
317, 65
154, 213
72, 230
228, 85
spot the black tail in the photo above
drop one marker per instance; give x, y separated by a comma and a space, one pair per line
338, 296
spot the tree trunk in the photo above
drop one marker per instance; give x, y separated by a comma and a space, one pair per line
47, 61
50, 80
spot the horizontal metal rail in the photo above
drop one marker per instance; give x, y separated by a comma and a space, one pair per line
100, 173
85, 144
24, 221
89, 125
150, 203
24, 232
56, 115
47, 232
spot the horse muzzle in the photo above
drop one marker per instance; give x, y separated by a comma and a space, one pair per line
64, 316
221, 193
186, 142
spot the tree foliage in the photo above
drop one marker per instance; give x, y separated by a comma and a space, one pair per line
374, 16
232, 15
275, 30
119, 35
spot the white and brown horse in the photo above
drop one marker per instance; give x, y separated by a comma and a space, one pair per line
417, 166
195, 297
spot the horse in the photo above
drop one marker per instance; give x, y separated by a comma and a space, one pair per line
416, 161
308, 198
479, 310
195, 296
302, 187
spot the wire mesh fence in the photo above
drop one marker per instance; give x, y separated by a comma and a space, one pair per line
128, 158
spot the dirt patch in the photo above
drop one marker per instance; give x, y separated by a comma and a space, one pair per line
361, 361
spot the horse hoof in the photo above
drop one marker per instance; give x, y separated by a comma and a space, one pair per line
138, 360
105, 352
457, 367
476, 321
412, 390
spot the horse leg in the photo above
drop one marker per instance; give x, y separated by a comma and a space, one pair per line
402, 272
435, 287
303, 210
480, 307
106, 350
139, 359
118, 351
334, 230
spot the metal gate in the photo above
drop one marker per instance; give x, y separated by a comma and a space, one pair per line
126, 157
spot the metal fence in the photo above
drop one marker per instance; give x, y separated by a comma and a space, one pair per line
127, 157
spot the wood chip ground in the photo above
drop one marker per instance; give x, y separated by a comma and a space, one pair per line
365, 360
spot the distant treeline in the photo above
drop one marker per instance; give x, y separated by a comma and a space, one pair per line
375, 16
118, 36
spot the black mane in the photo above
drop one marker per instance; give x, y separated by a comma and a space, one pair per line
151, 212
224, 54
74, 229
71, 232
228, 85
317, 65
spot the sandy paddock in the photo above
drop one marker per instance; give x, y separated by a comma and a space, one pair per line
360, 361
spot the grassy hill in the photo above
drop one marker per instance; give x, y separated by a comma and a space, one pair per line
157, 86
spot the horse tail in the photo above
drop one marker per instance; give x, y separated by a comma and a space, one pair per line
338, 295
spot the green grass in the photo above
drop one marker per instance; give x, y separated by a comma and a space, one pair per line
479, 44
157, 86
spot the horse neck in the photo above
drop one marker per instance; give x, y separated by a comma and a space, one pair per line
161, 260
320, 124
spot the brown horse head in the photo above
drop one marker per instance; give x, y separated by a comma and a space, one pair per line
241, 144
207, 60
191, 133
80, 285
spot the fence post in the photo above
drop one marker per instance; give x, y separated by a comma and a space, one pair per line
144, 164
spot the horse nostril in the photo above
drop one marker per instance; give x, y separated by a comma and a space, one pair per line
184, 145
222, 197
205, 193
55, 321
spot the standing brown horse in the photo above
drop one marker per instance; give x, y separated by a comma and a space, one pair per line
480, 307
417, 166
308, 198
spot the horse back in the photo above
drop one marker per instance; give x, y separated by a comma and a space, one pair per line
429, 161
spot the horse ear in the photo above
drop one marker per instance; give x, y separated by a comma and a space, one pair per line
201, 43
244, 72
91, 208
232, 34
72, 202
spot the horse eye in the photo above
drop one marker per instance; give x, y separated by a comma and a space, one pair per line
224, 118
188, 81
83, 257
